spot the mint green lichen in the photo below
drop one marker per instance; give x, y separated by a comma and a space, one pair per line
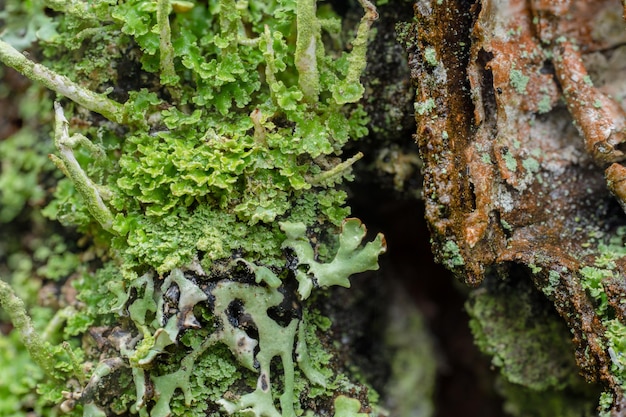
430, 56
452, 255
349, 259
425, 107
274, 341
544, 105
538, 372
348, 407
518, 81
510, 161
531, 165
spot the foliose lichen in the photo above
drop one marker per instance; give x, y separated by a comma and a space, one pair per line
202, 151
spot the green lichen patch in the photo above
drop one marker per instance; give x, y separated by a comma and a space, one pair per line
544, 357
518, 81
452, 255
597, 280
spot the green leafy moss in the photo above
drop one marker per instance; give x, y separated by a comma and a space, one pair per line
497, 322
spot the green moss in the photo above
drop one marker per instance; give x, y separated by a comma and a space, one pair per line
21, 175
529, 343
521, 401
20, 377
606, 401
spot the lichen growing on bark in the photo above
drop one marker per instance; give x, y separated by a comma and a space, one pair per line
202, 151
516, 126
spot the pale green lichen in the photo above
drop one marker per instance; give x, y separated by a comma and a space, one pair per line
423, 108
518, 81
544, 105
349, 259
452, 255
539, 371
510, 161
348, 407
553, 280
430, 56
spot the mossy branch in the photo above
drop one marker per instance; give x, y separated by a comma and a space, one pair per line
357, 57
37, 347
229, 25
66, 161
98, 103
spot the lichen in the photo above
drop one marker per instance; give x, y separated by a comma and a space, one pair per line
595, 280
202, 151
518, 81
538, 371
452, 255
